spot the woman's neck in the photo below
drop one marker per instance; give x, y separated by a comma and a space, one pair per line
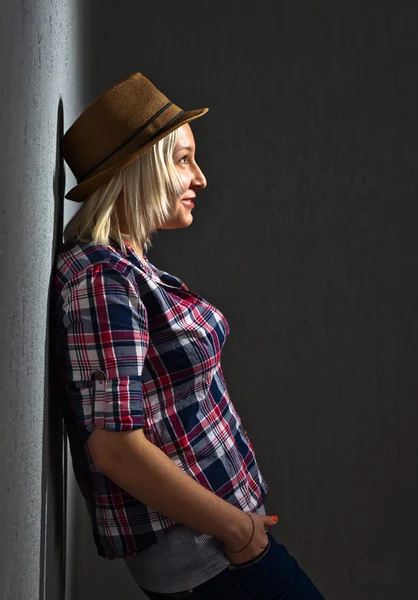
124, 227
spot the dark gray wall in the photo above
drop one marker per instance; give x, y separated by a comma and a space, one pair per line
306, 239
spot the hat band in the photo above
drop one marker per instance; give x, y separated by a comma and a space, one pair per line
133, 136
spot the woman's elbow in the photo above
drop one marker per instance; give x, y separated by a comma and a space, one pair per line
107, 446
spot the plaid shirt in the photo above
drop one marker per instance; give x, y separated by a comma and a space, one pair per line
140, 350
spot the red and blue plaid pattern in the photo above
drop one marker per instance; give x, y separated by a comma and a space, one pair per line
140, 350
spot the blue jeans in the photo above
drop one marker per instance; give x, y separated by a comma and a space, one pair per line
271, 575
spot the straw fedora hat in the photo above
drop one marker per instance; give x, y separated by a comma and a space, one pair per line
122, 123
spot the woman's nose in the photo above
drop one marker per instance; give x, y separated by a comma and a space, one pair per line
200, 179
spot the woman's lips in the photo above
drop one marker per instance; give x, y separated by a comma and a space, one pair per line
188, 203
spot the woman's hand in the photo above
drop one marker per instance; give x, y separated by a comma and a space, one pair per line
258, 543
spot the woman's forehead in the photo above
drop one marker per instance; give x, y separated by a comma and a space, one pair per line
185, 136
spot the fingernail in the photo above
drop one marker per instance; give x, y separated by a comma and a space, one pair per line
275, 518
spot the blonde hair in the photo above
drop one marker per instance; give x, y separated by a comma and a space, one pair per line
150, 184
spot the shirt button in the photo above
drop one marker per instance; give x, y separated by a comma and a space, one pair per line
98, 376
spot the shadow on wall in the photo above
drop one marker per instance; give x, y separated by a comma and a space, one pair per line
54, 476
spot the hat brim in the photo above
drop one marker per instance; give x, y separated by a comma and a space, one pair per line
83, 190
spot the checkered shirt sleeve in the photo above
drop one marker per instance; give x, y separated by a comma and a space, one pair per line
106, 333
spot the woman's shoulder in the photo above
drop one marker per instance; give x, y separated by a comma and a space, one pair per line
74, 258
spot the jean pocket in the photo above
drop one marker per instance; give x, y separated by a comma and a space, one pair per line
253, 561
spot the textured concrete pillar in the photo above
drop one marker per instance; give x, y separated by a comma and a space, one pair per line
39, 48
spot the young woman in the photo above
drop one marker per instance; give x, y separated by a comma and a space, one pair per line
168, 473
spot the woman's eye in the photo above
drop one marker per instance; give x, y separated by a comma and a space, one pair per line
183, 157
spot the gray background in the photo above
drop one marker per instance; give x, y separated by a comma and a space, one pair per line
304, 238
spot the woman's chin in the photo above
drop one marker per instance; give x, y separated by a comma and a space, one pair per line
180, 222
185, 222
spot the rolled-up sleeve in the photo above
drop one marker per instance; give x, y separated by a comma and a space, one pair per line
105, 328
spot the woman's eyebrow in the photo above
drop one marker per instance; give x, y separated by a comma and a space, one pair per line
184, 148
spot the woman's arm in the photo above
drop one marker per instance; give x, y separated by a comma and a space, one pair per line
143, 470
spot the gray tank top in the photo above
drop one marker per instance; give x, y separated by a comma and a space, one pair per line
182, 559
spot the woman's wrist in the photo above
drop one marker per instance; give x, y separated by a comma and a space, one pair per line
250, 539
239, 530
